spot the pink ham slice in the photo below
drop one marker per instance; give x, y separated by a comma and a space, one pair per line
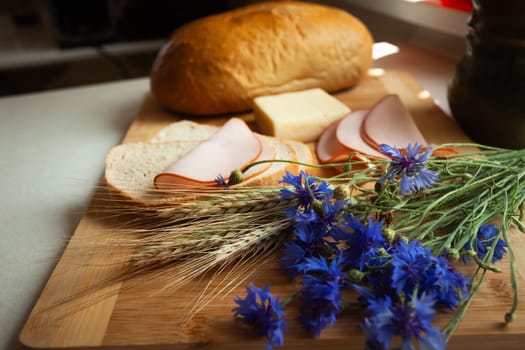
328, 149
232, 147
348, 134
342, 138
267, 153
388, 121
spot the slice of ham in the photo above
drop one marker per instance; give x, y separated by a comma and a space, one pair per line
348, 134
388, 121
267, 153
232, 147
342, 138
328, 149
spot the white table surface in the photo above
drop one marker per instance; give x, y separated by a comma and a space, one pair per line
52, 149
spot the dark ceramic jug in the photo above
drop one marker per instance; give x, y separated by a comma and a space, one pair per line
487, 92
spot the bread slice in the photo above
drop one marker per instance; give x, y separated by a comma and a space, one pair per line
184, 130
303, 153
132, 167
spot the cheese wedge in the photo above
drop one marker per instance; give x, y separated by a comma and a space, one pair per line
300, 116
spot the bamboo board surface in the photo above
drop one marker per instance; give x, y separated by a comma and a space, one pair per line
144, 313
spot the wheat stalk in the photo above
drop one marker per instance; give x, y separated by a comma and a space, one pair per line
208, 202
232, 256
222, 240
237, 272
223, 234
197, 235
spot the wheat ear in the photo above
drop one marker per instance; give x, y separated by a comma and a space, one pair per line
185, 240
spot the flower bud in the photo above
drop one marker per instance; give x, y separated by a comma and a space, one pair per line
317, 206
356, 275
389, 234
471, 252
236, 177
453, 254
382, 252
341, 192
404, 239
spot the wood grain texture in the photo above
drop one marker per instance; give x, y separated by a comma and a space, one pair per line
78, 308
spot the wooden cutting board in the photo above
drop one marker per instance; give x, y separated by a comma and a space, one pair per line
146, 313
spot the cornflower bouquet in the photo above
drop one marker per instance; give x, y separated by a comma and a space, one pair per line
392, 231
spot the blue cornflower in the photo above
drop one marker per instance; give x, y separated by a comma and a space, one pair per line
410, 319
324, 280
219, 180
450, 285
319, 221
306, 190
331, 211
411, 168
309, 240
308, 218
265, 315
312, 230
293, 257
410, 262
317, 318
485, 239
321, 292
362, 241
371, 336
309, 235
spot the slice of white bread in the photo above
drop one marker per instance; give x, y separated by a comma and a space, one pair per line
184, 130
132, 167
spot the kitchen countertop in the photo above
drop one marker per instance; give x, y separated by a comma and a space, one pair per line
53, 148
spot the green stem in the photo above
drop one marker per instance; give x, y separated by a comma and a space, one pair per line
251, 165
289, 299
486, 266
471, 144
457, 192
513, 278
452, 325
310, 165
518, 223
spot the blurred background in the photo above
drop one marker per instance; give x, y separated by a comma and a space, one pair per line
48, 44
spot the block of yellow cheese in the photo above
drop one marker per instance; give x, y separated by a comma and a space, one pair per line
301, 115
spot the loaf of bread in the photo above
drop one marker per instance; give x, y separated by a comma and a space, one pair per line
218, 64
132, 167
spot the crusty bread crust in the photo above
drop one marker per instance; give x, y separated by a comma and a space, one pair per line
218, 64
